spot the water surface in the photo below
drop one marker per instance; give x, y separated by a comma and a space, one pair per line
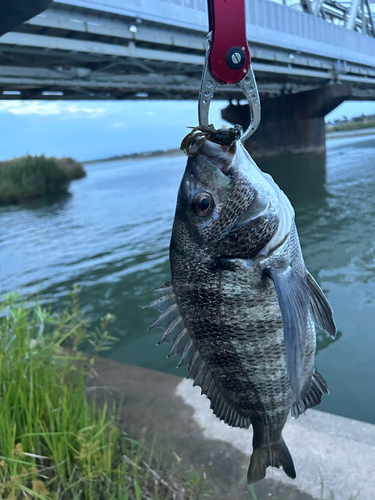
111, 236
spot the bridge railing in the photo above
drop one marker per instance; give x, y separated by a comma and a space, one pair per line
289, 28
268, 23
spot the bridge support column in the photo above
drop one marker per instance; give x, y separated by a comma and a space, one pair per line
291, 123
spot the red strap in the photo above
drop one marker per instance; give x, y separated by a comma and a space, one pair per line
229, 57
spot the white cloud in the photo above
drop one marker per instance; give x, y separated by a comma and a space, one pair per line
29, 108
44, 108
92, 111
118, 125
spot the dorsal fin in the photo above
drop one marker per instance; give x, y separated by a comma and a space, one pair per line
176, 333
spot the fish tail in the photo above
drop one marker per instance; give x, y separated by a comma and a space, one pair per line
276, 455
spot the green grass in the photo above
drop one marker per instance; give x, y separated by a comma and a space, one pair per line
331, 494
55, 443
30, 177
351, 126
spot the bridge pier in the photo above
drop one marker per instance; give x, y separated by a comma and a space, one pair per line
291, 123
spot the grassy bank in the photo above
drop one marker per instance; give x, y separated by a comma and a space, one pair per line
351, 126
54, 442
29, 177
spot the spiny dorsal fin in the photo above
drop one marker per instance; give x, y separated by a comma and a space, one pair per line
163, 302
163, 289
177, 334
166, 316
172, 331
321, 310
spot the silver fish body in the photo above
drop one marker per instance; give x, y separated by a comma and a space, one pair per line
241, 306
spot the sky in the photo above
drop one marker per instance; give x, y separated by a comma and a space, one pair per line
87, 130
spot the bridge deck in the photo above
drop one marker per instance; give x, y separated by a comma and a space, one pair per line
155, 48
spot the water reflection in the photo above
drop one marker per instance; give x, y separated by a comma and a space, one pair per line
112, 235
47, 206
305, 186
302, 178
323, 340
335, 214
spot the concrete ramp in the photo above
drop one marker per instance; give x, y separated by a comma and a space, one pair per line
328, 450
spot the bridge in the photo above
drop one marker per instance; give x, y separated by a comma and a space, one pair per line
309, 60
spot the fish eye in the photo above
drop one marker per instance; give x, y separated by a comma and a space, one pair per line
203, 204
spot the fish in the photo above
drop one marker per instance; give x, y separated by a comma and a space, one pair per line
241, 306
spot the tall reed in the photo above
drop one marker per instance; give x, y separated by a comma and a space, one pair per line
30, 177
54, 442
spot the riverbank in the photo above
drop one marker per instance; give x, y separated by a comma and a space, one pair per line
138, 156
350, 133
334, 132
28, 177
141, 434
56, 441
355, 125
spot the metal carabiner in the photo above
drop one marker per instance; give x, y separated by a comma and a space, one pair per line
228, 60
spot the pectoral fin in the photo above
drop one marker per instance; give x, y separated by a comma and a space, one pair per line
320, 309
294, 301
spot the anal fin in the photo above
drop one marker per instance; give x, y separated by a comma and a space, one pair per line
313, 397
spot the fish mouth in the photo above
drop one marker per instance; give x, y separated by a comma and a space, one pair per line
218, 155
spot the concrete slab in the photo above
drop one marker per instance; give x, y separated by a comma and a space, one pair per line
337, 451
327, 449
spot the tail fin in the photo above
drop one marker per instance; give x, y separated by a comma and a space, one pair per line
276, 455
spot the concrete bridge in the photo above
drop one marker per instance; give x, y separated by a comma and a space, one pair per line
154, 49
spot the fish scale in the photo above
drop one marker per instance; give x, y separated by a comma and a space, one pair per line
241, 306
229, 368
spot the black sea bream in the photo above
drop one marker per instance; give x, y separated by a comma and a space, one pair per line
241, 306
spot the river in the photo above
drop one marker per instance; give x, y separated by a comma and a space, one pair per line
110, 235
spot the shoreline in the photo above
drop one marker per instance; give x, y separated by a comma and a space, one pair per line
137, 156
350, 133
177, 151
